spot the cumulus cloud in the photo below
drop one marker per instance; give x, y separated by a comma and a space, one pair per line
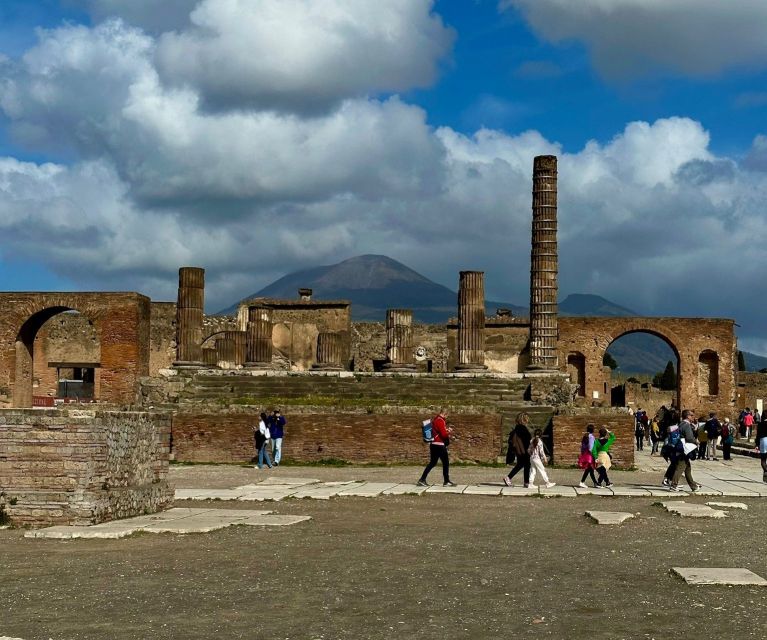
630, 37
304, 54
151, 15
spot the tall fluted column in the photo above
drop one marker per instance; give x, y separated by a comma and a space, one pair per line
328, 352
189, 311
544, 266
471, 321
399, 340
259, 338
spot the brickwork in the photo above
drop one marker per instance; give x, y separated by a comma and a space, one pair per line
693, 339
752, 387
353, 437
121, 321
568, 431
369, 345
83, 467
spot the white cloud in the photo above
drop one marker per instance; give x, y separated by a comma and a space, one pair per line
632, 37
154, 16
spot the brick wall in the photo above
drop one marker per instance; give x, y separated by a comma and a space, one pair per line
353, 437
568, 431
83, 467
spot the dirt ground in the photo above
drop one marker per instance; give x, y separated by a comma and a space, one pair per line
430, 566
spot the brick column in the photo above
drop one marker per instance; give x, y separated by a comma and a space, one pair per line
399, 340
328, 352
189, 311
544, 267
471, 321
259, 338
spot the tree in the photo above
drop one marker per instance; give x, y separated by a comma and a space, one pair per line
609, 361
741, 361
666, 380
633, 379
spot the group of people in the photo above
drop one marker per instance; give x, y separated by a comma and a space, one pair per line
268, 434
747, 419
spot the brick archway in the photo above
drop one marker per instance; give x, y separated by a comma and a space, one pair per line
121, 321
687, 337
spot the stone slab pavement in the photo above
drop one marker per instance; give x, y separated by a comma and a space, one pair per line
609, 517
719, 576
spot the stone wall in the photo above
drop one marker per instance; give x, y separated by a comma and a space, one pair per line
568, 430
162, 336
506, 344
752, 388
650, 399
317, 435
83, 467
429, 341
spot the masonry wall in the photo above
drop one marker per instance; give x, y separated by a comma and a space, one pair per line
506, 344
568, 431
83, 467
752, 387
162, 336
429, 343
353, 437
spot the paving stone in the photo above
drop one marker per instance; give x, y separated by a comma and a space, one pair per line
279, 480
688, 510
273, 521
593, 491
518, 491
729, 505
725, 488
264, 494
719, 576
559, 491
404, 489
630, 491
318, 492
664, 492
187, 494
438, 488
609, 517
483, 490
367, 489
759, 488
195, 524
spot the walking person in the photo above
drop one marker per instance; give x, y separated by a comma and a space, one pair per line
639, 434
601, 453
713, 433
702, 441
537, 460
261, 434
761, 444
277, 429
438, 450
748, 423
728, 437
519, 442
684, 464
586, 459
654, 436
672, 451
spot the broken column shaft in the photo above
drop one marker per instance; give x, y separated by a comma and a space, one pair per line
471, 321
544, 266
329, 354
259, 337
399, 340
189, 312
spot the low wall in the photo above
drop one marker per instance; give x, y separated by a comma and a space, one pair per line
352, 437
568, 431
83, 467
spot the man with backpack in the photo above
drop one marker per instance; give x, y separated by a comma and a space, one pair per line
440, 439
639, 433
683, 463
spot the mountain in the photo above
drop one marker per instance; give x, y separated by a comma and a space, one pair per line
373, 283
584, 304
754, 362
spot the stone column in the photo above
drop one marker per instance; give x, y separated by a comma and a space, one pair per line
225, 351
328, 352
235, 348
210, 356
399, 340
544, 267
189, 311
471, 321
259, 338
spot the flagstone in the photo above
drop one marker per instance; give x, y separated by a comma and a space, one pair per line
719, 576
404, 489
609, 517
367, 489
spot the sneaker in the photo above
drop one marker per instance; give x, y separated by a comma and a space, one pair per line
531, 486
666, 482
507, 481
422, 483
551, 484
449, 484
695, 488
583, 485
609, 484
673, 487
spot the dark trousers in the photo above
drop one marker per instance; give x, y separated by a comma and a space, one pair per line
726, 450
702, 450
437, 452
640, 442
655, 444
589, 472
602, 476
523, 462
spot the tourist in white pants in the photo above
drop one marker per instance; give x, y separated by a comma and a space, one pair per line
537, 460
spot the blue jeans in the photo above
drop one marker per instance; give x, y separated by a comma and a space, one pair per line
277, 449
264, 452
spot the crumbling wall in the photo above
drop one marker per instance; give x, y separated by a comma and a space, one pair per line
162, 336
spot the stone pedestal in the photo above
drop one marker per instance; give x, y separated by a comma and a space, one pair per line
399, 340
471, 321
189, 312
259, 338
544, 267
328, 352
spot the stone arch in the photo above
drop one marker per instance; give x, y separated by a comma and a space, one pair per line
708, 373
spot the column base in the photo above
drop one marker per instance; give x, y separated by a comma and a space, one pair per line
461, 368
185, 364
395, 367
327, 367
258, 365
540, 368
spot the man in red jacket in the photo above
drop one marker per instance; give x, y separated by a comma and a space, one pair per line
438, 449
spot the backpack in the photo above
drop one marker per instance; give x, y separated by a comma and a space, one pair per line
640, 429
675, 440
426, 430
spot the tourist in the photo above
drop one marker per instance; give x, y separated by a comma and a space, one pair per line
761, 444
671, 451
683, 463
537, 460
586, 459
713, 432
438, 449
519, 442
748, 423
262, 436
639, 433
654, 436
601, 453
277, 428
728, 437
702, 440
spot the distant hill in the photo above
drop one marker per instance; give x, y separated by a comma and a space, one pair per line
373, 284
585, 304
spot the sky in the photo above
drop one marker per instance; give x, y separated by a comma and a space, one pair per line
258, 137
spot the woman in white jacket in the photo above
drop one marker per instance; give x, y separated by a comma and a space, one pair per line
262, 436
537, 460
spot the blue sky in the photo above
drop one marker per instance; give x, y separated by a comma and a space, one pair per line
256, 138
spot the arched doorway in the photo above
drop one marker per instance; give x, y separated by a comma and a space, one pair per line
58, 355
642, 370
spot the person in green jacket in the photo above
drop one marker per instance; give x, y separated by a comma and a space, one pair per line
601, 453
